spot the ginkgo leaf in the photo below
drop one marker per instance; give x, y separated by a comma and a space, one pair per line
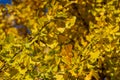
95, 54
92, 74
88, 77
27, 61
61, 14
69, 3
59, 77
90, 66
117, 28
22, 71
2, 25
48, 57
95, 75
10, 18
53, 45
73, 73
61, 30
28, 77
70, 22
7, 74
1, 13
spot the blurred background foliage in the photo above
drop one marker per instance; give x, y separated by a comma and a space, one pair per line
60, 40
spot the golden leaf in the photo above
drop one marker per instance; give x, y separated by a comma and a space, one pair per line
59, 77
61, 30
70, 22
94, 55
53, 45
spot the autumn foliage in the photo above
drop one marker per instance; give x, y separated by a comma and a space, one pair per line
60, 40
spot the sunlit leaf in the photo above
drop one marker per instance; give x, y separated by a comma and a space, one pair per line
95, 75
61, 30
59, 77
53, 45
70, 22
94, 55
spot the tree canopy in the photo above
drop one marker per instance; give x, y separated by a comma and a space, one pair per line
60, 40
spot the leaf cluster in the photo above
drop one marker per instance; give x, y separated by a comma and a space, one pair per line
69, 40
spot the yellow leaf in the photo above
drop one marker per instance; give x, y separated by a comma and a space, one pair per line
1, 63
27, 77
46, 50
61, 30
92, 74
7, 74
11, 18
26, 61
73, 73
49, 17
22, 71
59, 77
35, 26
53, 45
1, 13
89, 37
95, 75
70, 22
12, 31
117, 28
90, 66
48, 57
88, 77
2, 25
69, 3
95, 54
55, 69
83, 42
